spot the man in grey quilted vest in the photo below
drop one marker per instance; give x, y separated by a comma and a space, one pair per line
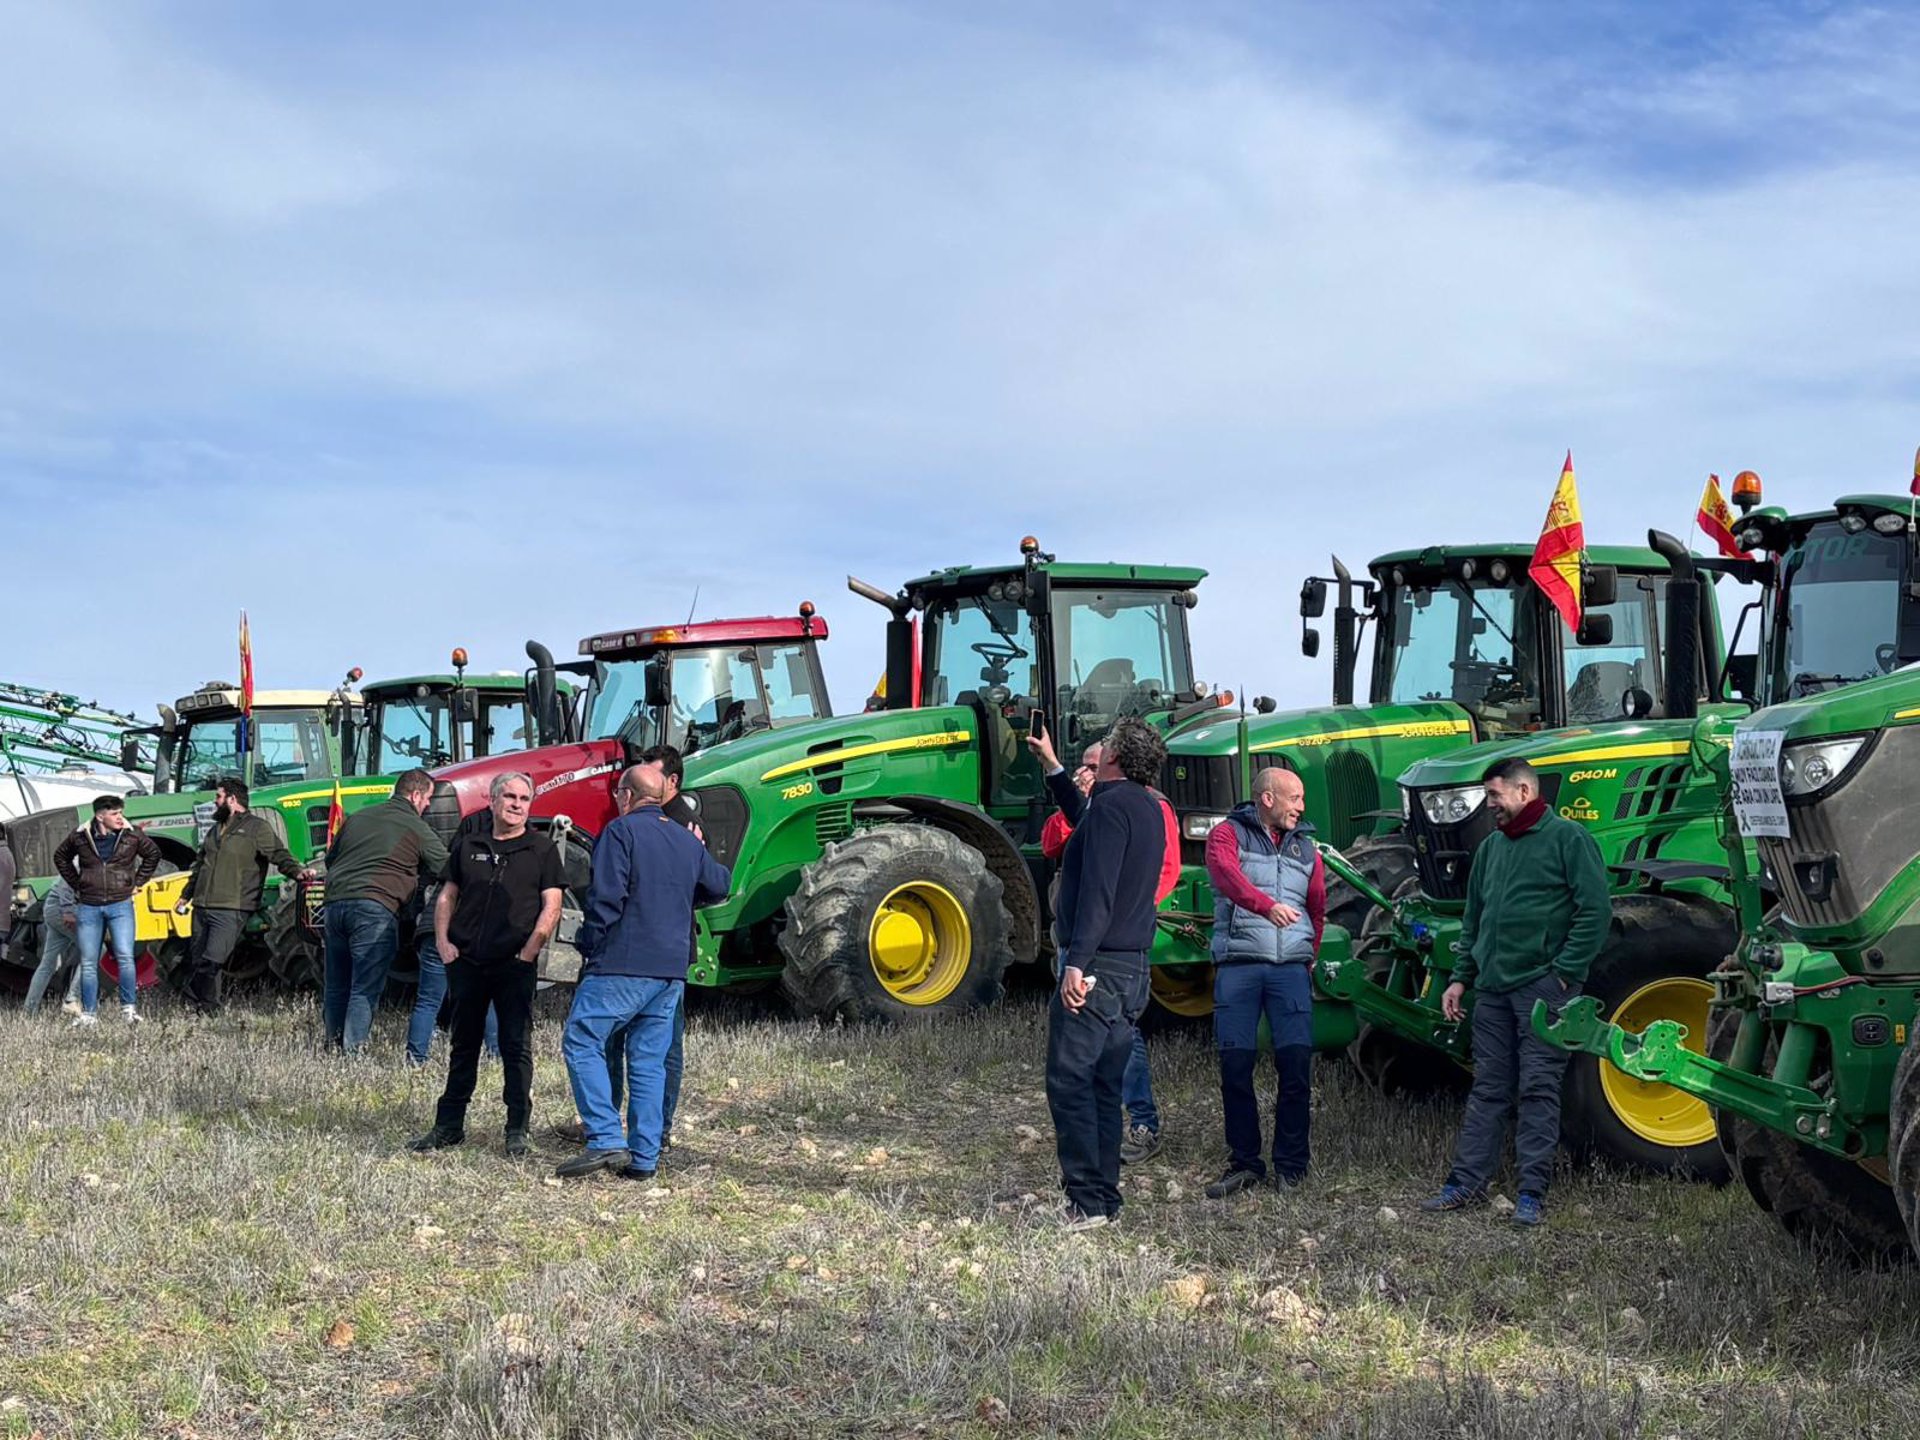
1269, 911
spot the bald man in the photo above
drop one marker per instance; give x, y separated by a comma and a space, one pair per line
1269, 912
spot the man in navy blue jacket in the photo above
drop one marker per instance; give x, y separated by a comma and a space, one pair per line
1104, 924
648, 875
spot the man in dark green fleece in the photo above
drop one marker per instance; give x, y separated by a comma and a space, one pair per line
1537, 915
224, 888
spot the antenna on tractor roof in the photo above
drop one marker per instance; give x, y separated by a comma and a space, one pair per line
696, 602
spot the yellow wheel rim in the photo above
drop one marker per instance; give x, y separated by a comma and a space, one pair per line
1656, 1112
920, 942
1185, 990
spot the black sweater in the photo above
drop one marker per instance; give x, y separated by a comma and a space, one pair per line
1108, 873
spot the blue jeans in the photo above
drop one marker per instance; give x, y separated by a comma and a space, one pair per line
55, 945
1136, 1088
362, 938
1243, 994
1513, 1070
117, 920
676, 1066
643, 1008
427, 1000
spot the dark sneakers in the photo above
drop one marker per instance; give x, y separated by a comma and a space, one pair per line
1530, 1209
517, 1144
1453, 1197
634, 1172
440, 1137
1140, 1144
1232, 1183
588, 1161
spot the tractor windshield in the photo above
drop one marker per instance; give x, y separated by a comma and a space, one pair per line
1468, 642
715, 693
289, 745
1841, 599
408, 730
1116, 653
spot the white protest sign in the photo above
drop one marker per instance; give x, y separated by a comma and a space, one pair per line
1759, 804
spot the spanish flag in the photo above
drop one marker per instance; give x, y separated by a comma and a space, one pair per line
336, 812
1556, 557
1716, 518
246, 666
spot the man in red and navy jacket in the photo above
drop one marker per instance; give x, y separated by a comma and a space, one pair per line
1269, 913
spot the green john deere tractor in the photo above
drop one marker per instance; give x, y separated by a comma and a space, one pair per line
304, 744
1809, 1068
887, 865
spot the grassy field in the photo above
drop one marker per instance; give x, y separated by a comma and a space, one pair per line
211, 1230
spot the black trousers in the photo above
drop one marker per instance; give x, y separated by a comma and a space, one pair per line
1087, 1054
215, 934
508, 986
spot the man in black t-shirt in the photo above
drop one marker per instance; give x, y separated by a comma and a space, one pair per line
497, 909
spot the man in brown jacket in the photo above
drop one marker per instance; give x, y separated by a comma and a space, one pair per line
105, 863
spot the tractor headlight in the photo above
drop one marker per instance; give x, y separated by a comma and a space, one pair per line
1813, 765
23, 896
1450, 807
1406, 803
1199, 826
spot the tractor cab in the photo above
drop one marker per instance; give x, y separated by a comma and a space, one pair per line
1082, 645
297, 735
428, 721
1467, 627
698, 685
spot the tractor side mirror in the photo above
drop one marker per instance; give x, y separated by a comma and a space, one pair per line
462, 705
1599, 586
129, 754
1310, 643
658, 691
1595, 630
1743, 676
1313, 599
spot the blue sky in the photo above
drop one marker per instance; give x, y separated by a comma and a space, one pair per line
413, 326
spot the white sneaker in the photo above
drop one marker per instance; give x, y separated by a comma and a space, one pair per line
129, 1014
84, 1019
70, 1007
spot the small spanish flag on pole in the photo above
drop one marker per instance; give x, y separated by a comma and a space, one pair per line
1716, 518
1556, 557
336, 812
245, 737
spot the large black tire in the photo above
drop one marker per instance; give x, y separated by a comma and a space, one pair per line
1393, 1064
833, 919
1903, 1140
1387, 861
1653, 941
295, 957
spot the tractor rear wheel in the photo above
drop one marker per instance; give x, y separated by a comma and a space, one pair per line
1387, 861
1178, 996
901, 922
1393, 1064
295, 957
1654, 966
1903, 1140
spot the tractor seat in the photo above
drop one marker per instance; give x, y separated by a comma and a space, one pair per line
1598, 689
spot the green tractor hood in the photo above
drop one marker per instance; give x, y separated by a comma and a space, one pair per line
1881, 703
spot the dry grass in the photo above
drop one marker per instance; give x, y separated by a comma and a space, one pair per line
211, 1231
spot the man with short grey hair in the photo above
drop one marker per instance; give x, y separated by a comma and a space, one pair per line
498, 906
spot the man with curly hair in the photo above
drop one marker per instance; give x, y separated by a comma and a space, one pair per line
1104, 923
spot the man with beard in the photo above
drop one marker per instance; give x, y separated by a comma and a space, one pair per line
223, 889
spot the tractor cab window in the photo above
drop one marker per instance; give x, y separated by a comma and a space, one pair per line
1470, 643
1841, 597
503, 723
1599, 676
288, 745
617, 704
716, 697
409, 730
1116, 653
793, 689
980, 652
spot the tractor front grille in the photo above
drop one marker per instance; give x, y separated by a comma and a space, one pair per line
443, 812
1849, 842
1444, 853
723, 820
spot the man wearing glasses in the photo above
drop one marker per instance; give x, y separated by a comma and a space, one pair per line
1070, 793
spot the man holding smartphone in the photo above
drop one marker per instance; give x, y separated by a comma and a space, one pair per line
1104, 927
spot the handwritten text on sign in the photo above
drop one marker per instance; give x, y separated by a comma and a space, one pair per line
1759, 804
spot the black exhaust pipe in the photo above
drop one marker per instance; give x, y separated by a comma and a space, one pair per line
544, 696
1682, 625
